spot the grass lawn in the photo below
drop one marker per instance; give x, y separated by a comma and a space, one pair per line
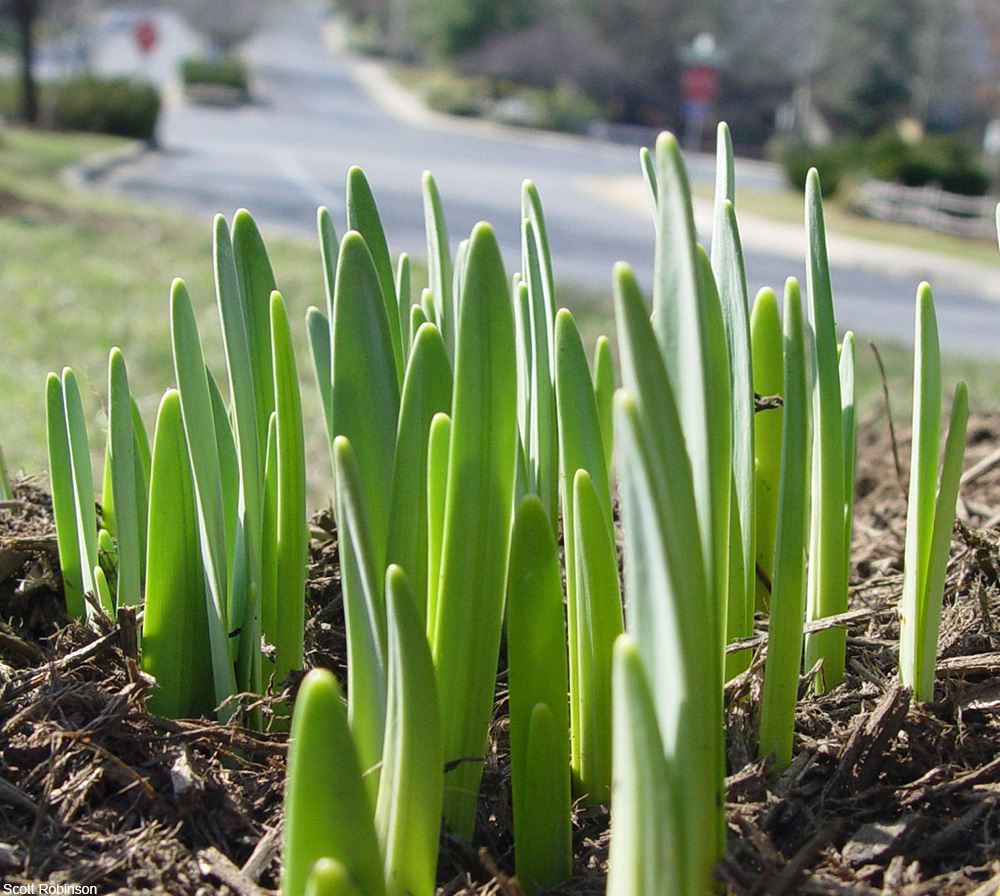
81, 271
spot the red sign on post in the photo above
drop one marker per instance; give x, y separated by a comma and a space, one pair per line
699, 83
145, 35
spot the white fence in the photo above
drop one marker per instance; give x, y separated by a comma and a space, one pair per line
928, 206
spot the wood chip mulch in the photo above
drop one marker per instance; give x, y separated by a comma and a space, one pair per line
884, 797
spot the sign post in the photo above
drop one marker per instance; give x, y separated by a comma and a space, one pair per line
699, 85
145, 35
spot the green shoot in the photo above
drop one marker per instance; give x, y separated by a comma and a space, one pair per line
537, 679
408, 809
250, 434
593, 615
687, 320
766, 342
645, 852
318, 330
604, 393
69, 533
599, 620
931, 508
328, 815
438, 442
364, 611
827, 582
123, 465
539, 428
847, 364
727, 265
403, 301
328, 877
439, 272
203, 452
363, 218
672, 614
788, 586
291, 532
365, 389
426, 391
269, 539
477, 520
175, 633
256, 283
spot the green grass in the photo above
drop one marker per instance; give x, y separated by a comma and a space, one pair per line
81, 271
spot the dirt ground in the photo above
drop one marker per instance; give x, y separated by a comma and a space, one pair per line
884, 796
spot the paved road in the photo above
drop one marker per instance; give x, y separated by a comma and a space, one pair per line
289, 151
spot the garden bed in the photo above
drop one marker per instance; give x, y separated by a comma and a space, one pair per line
884, 796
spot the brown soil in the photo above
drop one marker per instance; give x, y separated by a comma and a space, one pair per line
884, 796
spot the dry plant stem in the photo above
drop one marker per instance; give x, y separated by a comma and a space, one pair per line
888, 415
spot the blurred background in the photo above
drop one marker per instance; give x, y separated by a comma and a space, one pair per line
783, 73
167, 113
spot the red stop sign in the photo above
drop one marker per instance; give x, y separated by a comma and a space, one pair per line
145, 34
699, 82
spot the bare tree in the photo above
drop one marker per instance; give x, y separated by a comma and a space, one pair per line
224, 24
25, 14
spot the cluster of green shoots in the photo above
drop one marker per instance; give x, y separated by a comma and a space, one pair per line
467, 431
207, 531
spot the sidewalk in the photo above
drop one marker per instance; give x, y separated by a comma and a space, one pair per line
789, 240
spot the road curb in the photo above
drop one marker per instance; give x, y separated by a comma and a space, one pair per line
85, 172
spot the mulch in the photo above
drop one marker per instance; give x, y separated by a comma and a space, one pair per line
884, 795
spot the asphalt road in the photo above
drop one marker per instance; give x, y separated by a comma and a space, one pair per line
288, 152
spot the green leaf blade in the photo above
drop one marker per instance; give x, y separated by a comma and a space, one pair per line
365, 387
478, 514
63, 497
537, 676
411, 787
326, 815
121, 439
788, 594
427, 391
364, 612
828, 566
292, 531
175, 636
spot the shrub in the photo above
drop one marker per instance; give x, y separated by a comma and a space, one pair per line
228, 71
117, 106
944, 159
568, 109
833, 161
456, 95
